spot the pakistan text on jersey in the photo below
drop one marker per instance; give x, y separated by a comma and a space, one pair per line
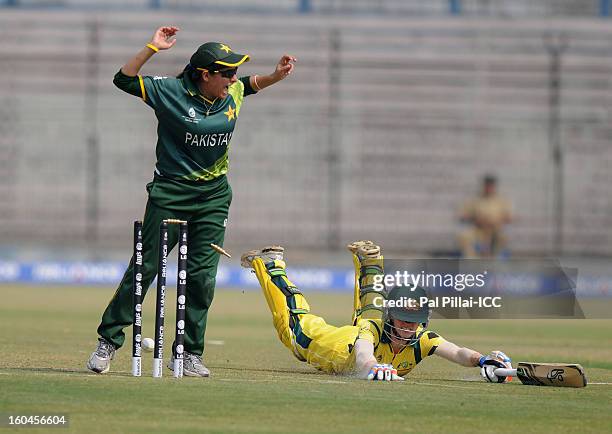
207, 139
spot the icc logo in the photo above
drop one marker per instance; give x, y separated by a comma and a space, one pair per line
191, 112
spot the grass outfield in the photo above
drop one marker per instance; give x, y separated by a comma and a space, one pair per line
47, 334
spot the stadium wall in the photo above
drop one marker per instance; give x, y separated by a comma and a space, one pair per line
383, 131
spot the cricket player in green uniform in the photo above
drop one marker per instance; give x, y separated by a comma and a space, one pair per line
196, 112
383, 342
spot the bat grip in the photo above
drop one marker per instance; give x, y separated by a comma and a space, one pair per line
505, 372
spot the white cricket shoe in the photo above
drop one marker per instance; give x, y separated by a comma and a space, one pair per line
192, 365
100, 359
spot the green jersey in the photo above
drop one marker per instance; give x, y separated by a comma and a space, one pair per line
193, 133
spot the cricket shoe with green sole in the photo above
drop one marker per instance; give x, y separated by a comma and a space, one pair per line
355, 245
100, 359
364, 249
267, 254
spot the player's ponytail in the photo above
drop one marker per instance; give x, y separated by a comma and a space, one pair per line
191, 72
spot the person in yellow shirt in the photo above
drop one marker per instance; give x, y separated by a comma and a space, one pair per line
487, 215
384, 342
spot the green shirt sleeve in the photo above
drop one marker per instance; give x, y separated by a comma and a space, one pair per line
128, 84
145, 87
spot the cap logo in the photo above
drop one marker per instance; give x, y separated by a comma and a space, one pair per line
225, 48
413, 307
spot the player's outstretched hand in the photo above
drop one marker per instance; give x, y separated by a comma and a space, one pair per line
285, 66
384, 372
163, 38
488, 365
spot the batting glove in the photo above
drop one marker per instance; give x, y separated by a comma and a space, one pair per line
384, 372
488, 365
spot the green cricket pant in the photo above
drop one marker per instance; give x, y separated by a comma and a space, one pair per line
205, 206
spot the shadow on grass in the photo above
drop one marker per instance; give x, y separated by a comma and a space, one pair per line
273, 371
314, 374
50, 370
47, 370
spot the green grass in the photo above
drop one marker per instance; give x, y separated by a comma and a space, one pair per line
46, 335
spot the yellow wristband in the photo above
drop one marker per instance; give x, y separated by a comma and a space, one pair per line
153, 47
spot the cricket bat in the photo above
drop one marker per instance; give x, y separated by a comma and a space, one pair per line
547, 374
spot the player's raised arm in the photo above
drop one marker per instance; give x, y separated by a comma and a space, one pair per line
284, 67
162, 39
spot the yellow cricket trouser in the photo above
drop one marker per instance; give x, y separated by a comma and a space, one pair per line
307, 336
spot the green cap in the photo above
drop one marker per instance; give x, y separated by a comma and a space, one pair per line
214, 56
410, 308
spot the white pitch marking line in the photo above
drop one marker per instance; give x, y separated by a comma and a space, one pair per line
604, 384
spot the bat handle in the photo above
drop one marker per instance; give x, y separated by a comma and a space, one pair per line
505, 372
